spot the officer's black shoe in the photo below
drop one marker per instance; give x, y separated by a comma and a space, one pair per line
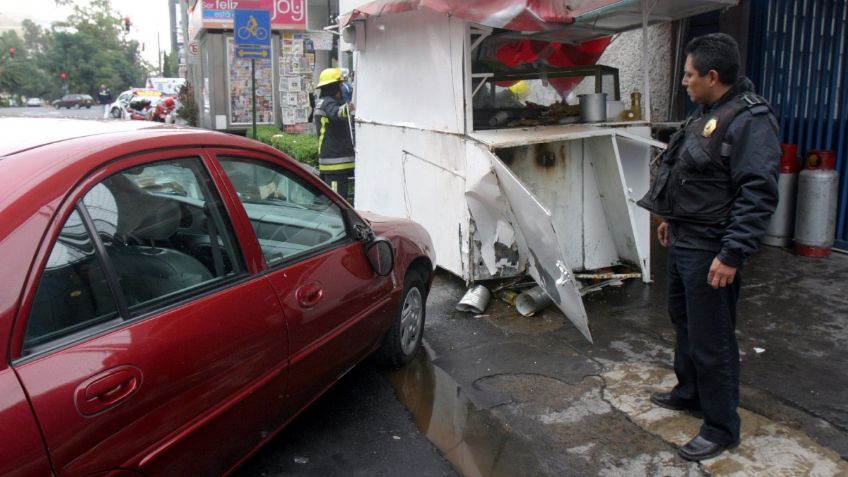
701, 449
668, 401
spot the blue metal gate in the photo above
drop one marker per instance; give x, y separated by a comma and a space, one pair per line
798, 58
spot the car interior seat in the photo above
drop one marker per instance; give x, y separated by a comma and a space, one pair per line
147, 263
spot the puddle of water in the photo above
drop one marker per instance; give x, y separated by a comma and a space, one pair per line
475, 443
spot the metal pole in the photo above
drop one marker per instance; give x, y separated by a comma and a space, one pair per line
253, 92
645, 65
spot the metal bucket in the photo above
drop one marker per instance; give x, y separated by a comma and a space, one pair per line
593, 107
532, 301
475, 299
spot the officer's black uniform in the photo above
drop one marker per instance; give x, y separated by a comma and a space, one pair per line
716, 186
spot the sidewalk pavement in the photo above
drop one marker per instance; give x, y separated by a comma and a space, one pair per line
505, 395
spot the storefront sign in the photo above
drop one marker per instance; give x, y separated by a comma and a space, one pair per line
285, 14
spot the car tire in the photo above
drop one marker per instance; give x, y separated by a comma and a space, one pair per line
402, 341
116, 113
88, 107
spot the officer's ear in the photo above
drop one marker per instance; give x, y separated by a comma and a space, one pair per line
712, 77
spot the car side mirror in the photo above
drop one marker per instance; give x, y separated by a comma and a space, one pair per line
381, 256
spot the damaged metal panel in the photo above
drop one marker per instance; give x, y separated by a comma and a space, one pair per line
545, 261
553, 173
498, 243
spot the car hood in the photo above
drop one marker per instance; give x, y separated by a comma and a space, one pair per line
399, 230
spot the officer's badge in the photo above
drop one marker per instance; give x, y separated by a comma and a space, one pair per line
710, 127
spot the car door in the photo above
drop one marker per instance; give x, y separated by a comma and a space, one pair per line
145, 341
332, 299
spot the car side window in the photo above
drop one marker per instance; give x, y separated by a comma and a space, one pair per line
164, 231
73, 293
291, 218
164, 236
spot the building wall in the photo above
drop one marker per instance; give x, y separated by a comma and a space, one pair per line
625, 53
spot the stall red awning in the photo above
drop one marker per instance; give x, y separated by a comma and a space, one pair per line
517, 15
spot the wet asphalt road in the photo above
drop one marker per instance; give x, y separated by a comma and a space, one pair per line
96, 112
359, 428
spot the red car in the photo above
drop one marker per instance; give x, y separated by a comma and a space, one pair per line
172, 297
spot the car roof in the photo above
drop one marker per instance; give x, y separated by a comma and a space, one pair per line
21, 134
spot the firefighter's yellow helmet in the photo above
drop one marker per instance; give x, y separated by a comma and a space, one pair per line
329, 75
521, 90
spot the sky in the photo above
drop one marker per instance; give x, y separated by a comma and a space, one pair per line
148, 17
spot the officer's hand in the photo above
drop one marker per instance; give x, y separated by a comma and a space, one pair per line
662, 234
351, 108
720, 274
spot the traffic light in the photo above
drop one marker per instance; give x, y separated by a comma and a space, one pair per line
11, 52
63, 76
127, 23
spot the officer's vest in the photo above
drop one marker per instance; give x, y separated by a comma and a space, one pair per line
693, 181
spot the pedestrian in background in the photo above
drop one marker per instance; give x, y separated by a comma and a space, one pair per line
716, 188
105, 98
332, 116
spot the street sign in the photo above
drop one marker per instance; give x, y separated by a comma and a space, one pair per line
193, 48
252, 33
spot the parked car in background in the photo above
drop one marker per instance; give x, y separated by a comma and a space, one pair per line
172, 297
34, 102
74, 101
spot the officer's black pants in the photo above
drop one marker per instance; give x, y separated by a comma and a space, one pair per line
342, 182
706, 355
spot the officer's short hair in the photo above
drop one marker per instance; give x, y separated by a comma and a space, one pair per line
716, 51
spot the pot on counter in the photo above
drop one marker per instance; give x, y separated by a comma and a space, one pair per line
593, 107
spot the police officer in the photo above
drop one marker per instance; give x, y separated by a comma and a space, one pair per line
716, 188
104, 97
332, 118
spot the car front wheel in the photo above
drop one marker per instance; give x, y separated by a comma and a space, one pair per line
404, 337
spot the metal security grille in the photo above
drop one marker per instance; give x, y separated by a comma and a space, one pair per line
798, 58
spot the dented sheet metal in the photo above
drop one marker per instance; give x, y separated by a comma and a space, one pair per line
499, 243
546, 262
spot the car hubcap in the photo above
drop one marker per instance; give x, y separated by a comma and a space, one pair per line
411, 318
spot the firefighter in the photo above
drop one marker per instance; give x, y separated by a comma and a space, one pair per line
333, 121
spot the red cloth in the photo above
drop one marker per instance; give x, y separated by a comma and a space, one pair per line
521, 52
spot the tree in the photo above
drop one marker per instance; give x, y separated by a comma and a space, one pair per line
11, 73
170, 65
90, 46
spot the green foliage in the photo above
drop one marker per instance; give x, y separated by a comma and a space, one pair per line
301, 147
91, 47
170, 65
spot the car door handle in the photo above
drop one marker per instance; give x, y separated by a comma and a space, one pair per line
106, 390
309, 294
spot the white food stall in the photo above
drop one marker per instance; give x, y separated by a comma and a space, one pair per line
536, 193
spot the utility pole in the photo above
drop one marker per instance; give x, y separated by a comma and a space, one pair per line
159, 53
